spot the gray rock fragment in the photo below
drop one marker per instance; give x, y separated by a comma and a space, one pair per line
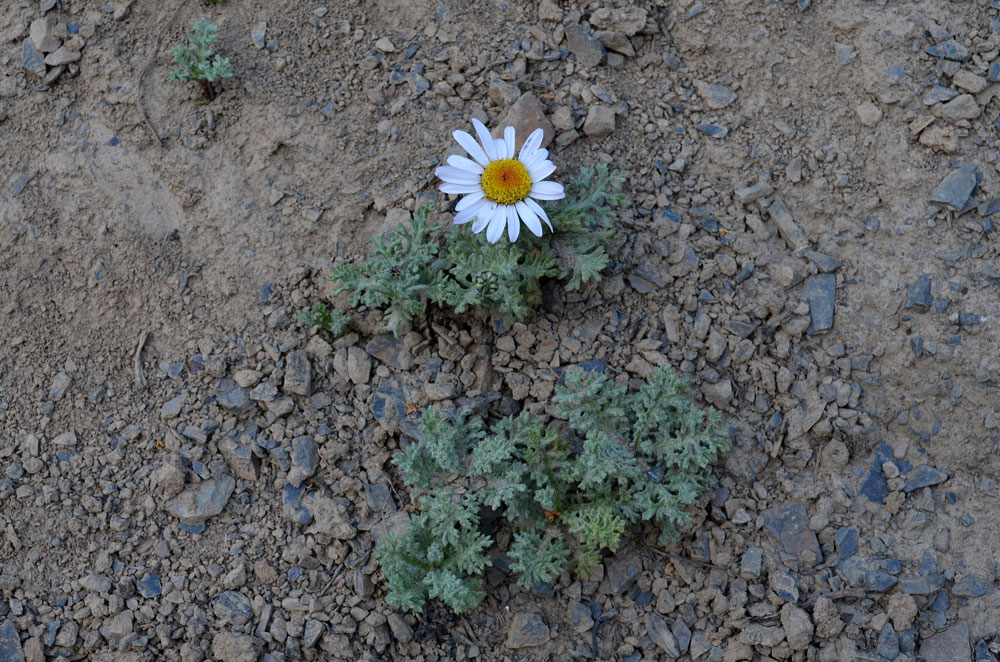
787, 227
918, 295
820, 291
600, 122
798, 627
41, 34
31, 60
962, 107
956, 188
241, 459
60, 384
258, 34
951, 645
234, 647
661, 635
298, 373
232, 607
61, 56
172, 408
236, 400
199, 502
305, 460
527, 630
588, 51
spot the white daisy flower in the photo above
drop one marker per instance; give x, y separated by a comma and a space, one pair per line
500, 188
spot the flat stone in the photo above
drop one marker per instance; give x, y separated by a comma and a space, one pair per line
888, 642
390, 351
264, 392
62, 56
621, 571
956, 188
298, 373
232, 607
41, 34
401, 630
199, 502
713, 130
789, 525
359, 366
527, 630
96, 583
798, 628
67, 438
962, 107
682, 633
236, 400
600, 122
389, 405
149, 586
258, 35
846, 540
951, 645
918, 295
314, 630
588, 50
241, 459
121, 625
616, 41
949, 50
787, 227
878, 581
60, 384
853, 571
969, 587
750, 564
629, 20
750, 194
922, 585
235, 647
329, 517
526, 115
172, 408
785, 586
659, 632
939, 93
924, 476
716, 96
756, 634
31, 60
379, 498
824, 262
820, 291
305, 460
969, 81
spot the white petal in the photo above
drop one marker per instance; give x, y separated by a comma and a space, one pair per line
530, 219
463, 163
470, 212
537, 208
470, 145
497, 224
530, 145
456, 175
483, 219
485, 139
501, 148
468, 200
461, 189
536, 158
547, 191
541, 171
513, 224
508, 139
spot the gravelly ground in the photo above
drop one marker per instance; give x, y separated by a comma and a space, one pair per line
810, 241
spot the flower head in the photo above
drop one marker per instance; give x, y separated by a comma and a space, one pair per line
500, 188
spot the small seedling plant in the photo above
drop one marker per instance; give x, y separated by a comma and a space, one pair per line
413, 266
198, 62
569, 497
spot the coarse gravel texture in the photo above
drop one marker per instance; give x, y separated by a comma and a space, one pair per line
190, 474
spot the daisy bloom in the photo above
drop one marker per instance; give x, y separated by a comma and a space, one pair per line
500, 188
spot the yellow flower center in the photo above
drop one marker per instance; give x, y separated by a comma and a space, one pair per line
506, 182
